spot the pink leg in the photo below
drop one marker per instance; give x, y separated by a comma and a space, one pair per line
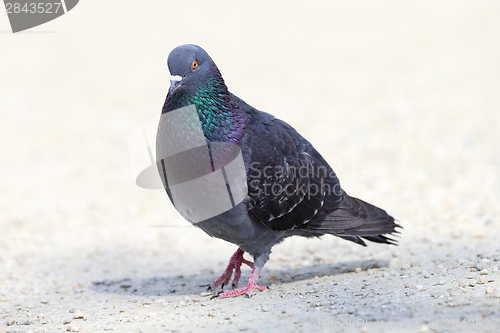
246, 290
237, 271
234, 264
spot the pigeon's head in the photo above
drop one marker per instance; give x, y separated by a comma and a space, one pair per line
196, 81
189, 66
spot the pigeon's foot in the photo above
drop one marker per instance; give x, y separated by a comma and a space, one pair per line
234, 265
246, 290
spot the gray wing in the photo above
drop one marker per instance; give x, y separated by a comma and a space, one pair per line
289, 182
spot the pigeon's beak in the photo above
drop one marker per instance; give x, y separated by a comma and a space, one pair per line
174, 83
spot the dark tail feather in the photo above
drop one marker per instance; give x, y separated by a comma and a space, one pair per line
353, 219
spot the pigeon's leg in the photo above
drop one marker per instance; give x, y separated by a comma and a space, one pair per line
234, 264
237, 271
251, 285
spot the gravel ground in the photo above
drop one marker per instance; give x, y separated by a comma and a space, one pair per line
402, 98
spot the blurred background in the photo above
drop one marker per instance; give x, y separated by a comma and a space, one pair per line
402, 99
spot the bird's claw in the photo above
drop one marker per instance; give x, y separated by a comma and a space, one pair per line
234, 266
216, 295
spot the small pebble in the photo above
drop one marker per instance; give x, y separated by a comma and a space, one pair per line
490, 290
425, 329
350, 310
66, 322
483, 272
106, 282
405, 266
481, 280
78, 314
358, 270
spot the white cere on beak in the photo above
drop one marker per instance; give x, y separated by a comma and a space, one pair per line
174, 79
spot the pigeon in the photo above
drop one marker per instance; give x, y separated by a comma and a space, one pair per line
246, 177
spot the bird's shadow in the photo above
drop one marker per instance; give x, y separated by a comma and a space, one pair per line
196, 284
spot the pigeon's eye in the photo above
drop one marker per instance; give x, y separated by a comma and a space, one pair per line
194, 65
